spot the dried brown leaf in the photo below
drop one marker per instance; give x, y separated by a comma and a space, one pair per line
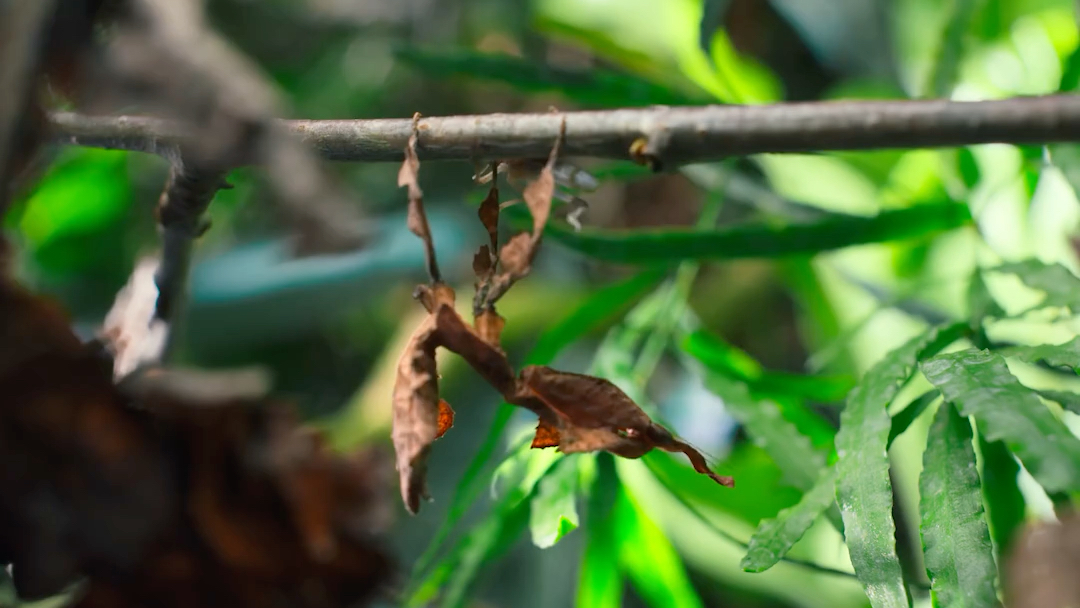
516, 256
416, 412
481, 263
417, 221
489, 216
538, 196
593, 414
489, 325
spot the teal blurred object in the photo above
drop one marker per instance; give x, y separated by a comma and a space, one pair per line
258, 293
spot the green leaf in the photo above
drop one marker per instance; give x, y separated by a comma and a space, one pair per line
980, 303
775, 537
903, 419
1004, 502
1066, 399
980, 384
492, 536
790, 449
952, 46
595, 87
958, 554
604, 305
553, 510
723, 358
762, 240
600, 580
649, 560
864, 490
1055, 355
1062, 287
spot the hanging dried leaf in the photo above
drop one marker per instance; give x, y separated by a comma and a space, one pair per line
593, 414
482, 264
416, 400
489, 216
417, 219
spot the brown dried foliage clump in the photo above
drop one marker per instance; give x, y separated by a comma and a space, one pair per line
156, 493
576, 413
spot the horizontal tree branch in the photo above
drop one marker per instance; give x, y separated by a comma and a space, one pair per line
670, 134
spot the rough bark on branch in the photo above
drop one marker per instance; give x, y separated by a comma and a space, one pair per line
672, 135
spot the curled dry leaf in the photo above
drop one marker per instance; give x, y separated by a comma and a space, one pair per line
416, 398
489, 216
593, 414
417, 219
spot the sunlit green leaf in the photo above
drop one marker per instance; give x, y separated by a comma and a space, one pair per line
649, 560
1066, 399
775, 537
980, 385
959, 556
864, 491
1005, 505
980, 303
1056, 355
903, 419
553, 510
790, 449
600, 580
760, 241
1062, 287
491, 537
723, 358
595, 87
951, 50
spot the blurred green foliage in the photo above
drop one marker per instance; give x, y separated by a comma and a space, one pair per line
795, 343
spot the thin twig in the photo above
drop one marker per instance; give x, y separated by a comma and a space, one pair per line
226, 107
691, 134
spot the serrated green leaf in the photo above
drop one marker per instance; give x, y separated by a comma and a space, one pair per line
1005, 504
723, 358
958, 554
1061, 286
903, 419
775, 537
864, 490
980, 384
553, 510
649, 560
595, 87
790, 449
599, 308
980, 303
1056, 355
760, 240
1066, 399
